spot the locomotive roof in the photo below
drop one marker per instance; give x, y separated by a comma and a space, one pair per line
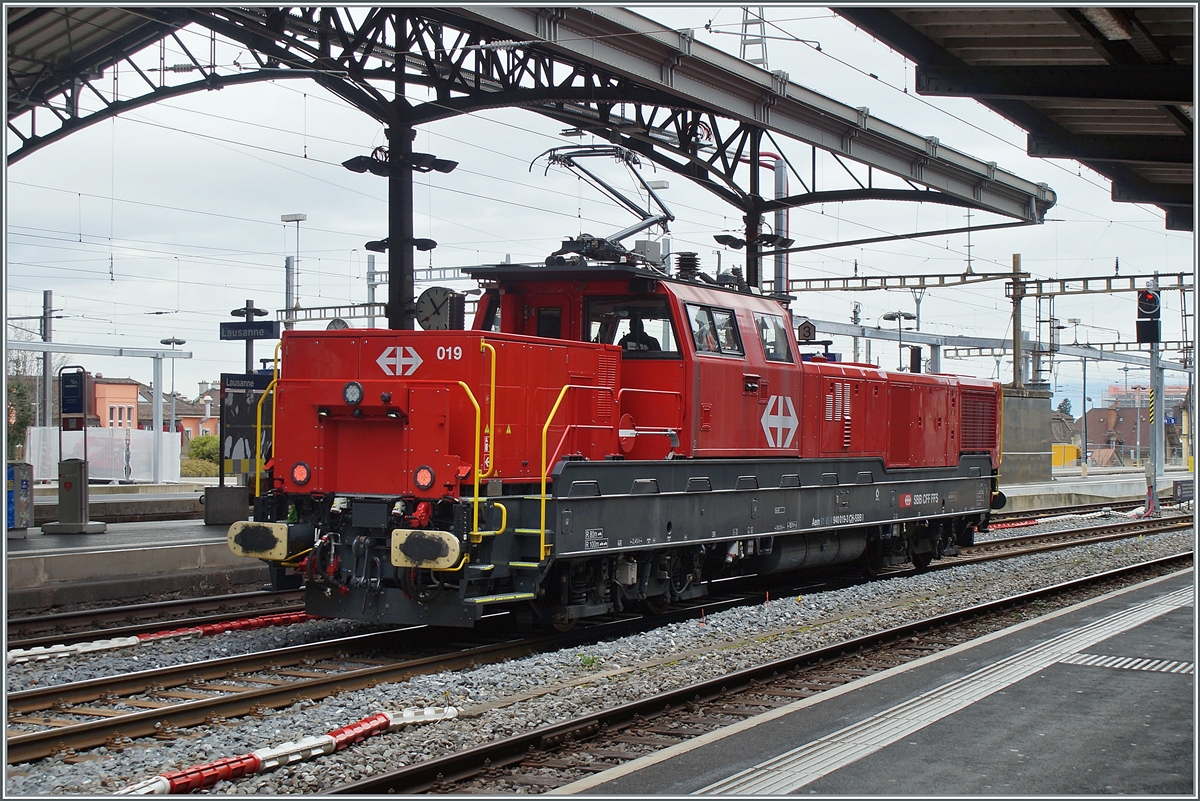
525, 273
542, 272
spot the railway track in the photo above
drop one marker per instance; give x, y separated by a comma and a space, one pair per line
66, 628
556, 755
1051, 540
160, 703
1077, 509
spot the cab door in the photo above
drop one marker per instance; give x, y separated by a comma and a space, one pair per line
772, 355
725, 390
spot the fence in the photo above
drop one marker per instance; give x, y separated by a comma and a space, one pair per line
114, 454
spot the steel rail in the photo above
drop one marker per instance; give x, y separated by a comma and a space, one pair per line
158, 610
1084, 508
133, 630
30, 746
1124, 528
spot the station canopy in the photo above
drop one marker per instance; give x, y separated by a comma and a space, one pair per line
1111, 88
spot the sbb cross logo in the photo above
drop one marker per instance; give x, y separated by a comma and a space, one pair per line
394, 362
779, 421
906, 500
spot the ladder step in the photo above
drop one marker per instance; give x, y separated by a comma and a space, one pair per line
536, 532
499, 599
525, 565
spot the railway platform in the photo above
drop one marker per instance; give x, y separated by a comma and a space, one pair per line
1100, 485
185, 556
1092, 699
127, 503
128, 560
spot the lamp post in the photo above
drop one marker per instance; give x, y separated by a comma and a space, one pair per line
1083, 461
172, 341
898, 317
1086, 449
249, 312
1137, 411
397, 162
292, 270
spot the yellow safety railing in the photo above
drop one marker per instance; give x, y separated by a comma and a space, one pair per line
503, 516
485, 345
545, 467
258, 422
258, 434
466, 557
475, 536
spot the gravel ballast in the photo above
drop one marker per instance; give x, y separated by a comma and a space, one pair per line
552, 687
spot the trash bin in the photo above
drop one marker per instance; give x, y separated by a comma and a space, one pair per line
19, 498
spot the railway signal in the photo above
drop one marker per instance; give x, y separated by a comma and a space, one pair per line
1149, 310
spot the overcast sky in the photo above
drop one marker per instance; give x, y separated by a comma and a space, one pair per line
158, 223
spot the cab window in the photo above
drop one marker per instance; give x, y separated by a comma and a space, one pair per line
491, 311
714, 330
641, 328
549, 322
772, 331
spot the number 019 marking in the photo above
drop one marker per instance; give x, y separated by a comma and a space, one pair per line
445, 354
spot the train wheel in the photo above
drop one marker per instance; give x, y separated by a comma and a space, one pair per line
563, 626
657, 604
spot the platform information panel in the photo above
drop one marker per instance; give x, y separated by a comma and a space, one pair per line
240, 394
72, 398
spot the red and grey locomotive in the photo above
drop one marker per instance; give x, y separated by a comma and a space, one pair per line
605, 436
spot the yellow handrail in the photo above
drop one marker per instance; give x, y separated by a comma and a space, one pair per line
503, 517
258, 435
484, 344
545, 467
274, 396
466, 557
475, 537
291, 561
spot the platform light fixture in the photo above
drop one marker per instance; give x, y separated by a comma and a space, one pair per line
776, 241
381, 245
291, 289
379, 163
898, 317
730, 241
172, 341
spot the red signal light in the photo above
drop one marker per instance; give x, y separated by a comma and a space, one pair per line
300, 473
423, 477
1149, 304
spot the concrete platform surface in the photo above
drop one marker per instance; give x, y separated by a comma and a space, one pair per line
1093, 699
1101, 485
128, 560
129, 507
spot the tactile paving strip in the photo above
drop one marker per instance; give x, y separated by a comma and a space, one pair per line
1131, 663
788, 772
